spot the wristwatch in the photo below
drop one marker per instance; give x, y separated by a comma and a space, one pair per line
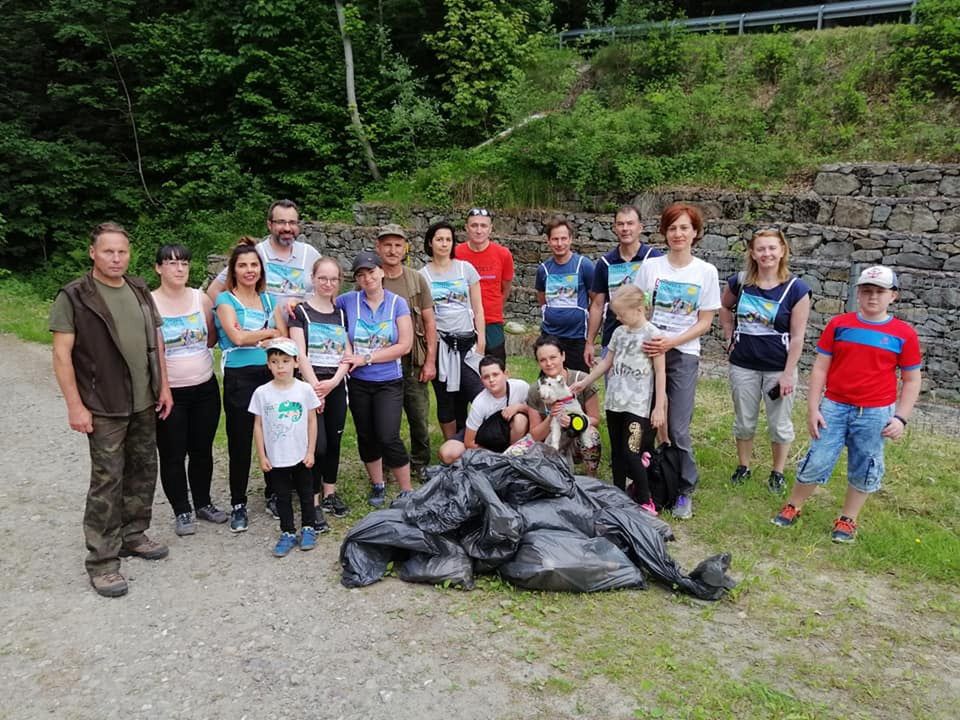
367, 358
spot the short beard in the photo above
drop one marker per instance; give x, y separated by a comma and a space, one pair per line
284, 241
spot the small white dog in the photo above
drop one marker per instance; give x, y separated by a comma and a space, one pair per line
553, 390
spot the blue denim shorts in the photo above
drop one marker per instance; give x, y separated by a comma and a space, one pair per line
856, 428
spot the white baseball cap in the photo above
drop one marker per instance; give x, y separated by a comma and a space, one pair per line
880, 276
284, 345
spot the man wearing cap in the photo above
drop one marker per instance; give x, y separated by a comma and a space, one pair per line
852, 399
287, 261
563, 285
108, 358
613, 269
494, 264
420, 365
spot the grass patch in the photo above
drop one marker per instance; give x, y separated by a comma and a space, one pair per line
23, 312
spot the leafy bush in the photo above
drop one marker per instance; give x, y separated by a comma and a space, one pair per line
930, 55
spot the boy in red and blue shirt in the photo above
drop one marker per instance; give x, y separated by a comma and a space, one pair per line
858, 355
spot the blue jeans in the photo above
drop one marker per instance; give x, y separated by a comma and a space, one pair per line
859, 430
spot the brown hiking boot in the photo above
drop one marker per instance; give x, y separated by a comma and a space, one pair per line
145, 548
109, 584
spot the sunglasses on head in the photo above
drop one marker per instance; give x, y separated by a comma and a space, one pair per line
482, 212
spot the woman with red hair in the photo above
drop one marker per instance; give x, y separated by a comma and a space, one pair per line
685, 292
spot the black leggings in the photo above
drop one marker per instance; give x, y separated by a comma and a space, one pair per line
329, 431
453, 405
188, 432
630, 436
376, 408
238, 386
285, 481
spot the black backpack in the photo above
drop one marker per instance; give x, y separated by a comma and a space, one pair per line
664, 474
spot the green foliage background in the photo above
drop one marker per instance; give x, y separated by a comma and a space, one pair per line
183, 118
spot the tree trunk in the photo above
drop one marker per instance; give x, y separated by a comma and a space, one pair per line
352, 94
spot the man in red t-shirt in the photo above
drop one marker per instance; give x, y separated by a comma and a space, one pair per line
494, 264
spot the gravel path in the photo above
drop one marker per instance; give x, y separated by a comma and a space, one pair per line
220, 629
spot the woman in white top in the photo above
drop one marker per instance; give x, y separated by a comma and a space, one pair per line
455, 287
685, 293
188, 334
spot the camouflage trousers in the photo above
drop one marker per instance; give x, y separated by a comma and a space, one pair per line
416, 406
123, 477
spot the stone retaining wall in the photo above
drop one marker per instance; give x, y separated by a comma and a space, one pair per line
905, 216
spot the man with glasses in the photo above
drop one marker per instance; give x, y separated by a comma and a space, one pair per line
286, 261
494, 264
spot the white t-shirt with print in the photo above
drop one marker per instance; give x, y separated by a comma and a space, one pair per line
485, 404
283, 414
679, 294
630, 378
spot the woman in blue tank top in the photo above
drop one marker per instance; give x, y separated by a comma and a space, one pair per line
764, 316
245, 316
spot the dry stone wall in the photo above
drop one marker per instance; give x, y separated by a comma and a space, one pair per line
835, 230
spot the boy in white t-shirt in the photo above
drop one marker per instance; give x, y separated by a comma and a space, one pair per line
500, 394
285, 432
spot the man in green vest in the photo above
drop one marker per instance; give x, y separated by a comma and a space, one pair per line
109, 363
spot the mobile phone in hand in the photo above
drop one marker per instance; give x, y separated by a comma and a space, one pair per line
774, 392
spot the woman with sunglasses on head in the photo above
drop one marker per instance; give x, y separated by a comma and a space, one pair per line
764, 320
319, 330
685, 293
186, 435
381, 333
455, 287
245, 316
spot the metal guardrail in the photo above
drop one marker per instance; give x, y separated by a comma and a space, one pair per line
762, 18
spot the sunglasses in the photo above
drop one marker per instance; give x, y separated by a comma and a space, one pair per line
482, 212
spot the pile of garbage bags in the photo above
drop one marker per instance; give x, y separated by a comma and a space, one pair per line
528, 519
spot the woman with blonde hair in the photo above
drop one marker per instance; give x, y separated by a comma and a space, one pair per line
764, 320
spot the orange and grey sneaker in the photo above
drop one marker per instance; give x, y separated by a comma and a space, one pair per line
844, 530
787, 516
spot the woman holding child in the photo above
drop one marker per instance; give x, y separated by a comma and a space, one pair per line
685, 292
381, 332
319, 330
455, 287
188, 431
552, 361
245, 316
764, 319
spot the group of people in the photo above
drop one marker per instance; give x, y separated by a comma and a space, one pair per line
136, 369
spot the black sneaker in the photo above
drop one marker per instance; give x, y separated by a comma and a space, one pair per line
776, 483
378, 494
740, 475
238, 519
272, 507
333, 505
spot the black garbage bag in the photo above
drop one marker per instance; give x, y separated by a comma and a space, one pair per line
569, 562
600, 495
495, 537
713, 571
379, 538
452, 565
540, 472
647, 549
561, 513
445, 502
